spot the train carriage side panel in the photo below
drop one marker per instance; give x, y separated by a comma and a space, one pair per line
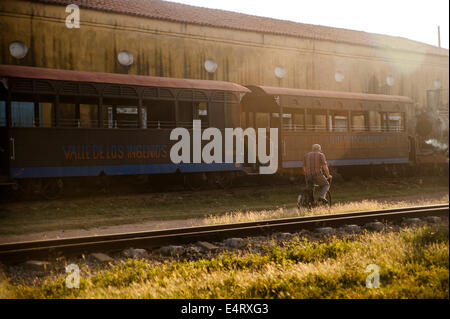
346, 126
53, 152
97, 139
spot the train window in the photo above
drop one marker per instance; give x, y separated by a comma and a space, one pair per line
375, 121
319, 121
203, 112
232, 118
287, 120
144, 117
298, 121
232, 110
309, 125
127, 117
251, 119
68, 115
338, 122
185, 113
45, 112
161, 114
396, 122
378, 121
2, 113
293, 119
22, 114
359, 122
243, 120
88, 115
262, 120
108, 113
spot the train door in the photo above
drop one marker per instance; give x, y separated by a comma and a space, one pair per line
267, 121
277, 120
263, 120
3, 142
262, 111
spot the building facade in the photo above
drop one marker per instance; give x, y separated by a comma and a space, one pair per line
174, 40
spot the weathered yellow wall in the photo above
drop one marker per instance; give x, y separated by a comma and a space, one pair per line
172, 49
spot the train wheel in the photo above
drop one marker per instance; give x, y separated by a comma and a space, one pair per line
194, 182
264, 180
52, 188
157, 183
226, 180
304, 200
7, 192
29, 188
221, 180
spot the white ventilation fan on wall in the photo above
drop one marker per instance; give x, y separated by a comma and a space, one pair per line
280, 72
125, 58
390, 80
210, 66
437, 84
18, 49
339, 76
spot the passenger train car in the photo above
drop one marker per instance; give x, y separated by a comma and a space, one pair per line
58, 124
353, 128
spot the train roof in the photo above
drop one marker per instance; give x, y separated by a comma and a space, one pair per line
271, 90
13, 71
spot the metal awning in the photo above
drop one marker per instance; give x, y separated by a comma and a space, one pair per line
277, 91
13, 71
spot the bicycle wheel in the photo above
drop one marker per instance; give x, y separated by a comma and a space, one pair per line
328, 197
303, 200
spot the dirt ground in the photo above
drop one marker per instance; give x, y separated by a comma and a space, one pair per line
168, 224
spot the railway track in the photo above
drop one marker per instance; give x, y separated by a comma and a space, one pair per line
47, 249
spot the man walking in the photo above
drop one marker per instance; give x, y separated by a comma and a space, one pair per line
313, 164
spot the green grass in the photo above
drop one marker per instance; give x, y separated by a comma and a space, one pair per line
96, 211
413, 264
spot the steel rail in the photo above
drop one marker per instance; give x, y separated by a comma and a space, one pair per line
14, 252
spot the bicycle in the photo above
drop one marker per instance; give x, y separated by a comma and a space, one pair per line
308, 197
